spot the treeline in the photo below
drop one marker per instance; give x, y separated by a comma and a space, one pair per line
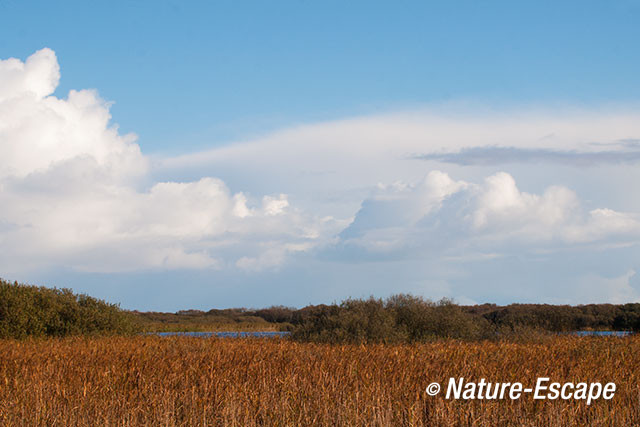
406, 318
38, 311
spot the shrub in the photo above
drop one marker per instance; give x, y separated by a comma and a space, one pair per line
399, 318
38, 311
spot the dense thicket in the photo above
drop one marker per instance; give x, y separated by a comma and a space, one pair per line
398, 318
405, 318
38, 311
414, 319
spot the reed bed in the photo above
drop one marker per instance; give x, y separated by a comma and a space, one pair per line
182, 381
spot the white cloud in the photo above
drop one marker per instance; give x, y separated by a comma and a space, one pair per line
330, 167
70, 187
274, 206
440, 214
76, 194
502, 207
321, 149
41, 134
602, 223
37, 77
614, 290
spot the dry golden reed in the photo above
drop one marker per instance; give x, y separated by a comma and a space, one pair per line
180, 381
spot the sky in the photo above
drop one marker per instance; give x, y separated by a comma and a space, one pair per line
175, 155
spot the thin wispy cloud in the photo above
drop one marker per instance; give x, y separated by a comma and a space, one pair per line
500, 155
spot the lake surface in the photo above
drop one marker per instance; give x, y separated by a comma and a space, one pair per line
285, 334
223, 334
602, 333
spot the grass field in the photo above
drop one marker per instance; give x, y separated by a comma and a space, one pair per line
155, 381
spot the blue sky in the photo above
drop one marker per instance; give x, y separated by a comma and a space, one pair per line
188, 75
303, 152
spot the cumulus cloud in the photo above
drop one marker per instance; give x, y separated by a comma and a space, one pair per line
38, 76
72, 191
442, 215
78, 195
41, 134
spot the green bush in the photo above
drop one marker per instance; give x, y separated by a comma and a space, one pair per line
413, 319
27, 311
396, 319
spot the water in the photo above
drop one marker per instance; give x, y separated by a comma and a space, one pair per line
602, 333
223, 334
285, 334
